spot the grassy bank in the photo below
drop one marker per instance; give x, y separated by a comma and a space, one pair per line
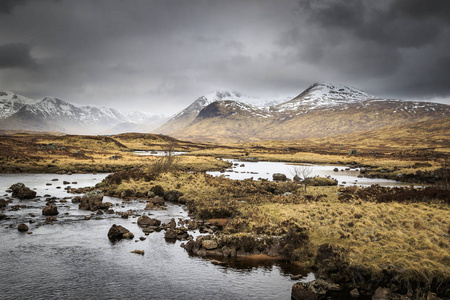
404, 242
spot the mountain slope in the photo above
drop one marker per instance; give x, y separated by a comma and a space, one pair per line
10, 103
186, 116
53, 114
320, 111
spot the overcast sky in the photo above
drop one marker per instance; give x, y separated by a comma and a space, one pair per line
159, 56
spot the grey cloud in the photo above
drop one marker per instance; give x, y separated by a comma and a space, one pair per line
16, 56
160, 55
7, 6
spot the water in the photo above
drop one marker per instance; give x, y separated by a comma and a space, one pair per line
265, 170
159, 153
73, 259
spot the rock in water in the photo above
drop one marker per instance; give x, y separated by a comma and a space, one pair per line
145, 221
141, 252
50, 210
20, 191
117, 232
93, 201
22, 227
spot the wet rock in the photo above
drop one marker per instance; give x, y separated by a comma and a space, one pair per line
170, 234
50, 210
141, 252
22, 228
155, 203
336, 170
50, 220
172, 196
142, 238
3, 204
118, 232
145, 221
313, 290
76, 199
66, 182
279, 177
93, 201
3, 217
20, 191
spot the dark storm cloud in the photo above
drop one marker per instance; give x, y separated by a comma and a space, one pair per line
16, 56
7, 6
161, 55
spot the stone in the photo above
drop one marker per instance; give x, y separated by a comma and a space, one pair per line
50, 210
22, 228
209, 244
145, 221
20, 191
141, 252
118, 232
173, 195
170, 234
93, 201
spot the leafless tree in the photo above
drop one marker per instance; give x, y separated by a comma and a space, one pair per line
302, 173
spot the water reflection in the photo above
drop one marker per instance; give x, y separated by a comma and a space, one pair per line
73, 259
263, 169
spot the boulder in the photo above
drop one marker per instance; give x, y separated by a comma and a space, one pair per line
158, 190
117, 232
93, 201
209, 244
50, 210
313, 290
20, 191
22, 228
170, 234
145, 221
279, 177
172, 195
3, 204
155, 203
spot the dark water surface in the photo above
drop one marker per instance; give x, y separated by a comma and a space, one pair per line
73, 259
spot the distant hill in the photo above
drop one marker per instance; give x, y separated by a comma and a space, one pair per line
53, 114
321, 110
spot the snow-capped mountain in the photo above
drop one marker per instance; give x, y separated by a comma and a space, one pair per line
186, 116
10, 103
321, 110
53, 114
324, 95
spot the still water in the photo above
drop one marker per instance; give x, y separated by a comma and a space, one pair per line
264, 169
73, 259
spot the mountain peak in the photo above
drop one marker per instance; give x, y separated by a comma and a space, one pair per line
324, 95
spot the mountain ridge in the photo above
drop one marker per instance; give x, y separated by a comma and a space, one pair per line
321, 110
54, 114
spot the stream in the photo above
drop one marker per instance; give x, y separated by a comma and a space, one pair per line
73, 259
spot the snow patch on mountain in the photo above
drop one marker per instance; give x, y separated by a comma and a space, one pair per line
324, 95
10, 103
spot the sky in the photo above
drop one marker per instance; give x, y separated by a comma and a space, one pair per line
159, 56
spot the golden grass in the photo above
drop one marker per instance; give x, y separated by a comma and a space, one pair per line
409, 237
